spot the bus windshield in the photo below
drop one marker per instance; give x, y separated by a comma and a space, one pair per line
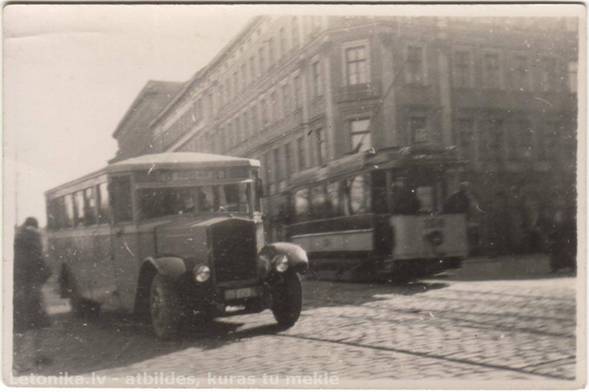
166, 201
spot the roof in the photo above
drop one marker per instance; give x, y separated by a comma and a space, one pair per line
180, 160
154, 96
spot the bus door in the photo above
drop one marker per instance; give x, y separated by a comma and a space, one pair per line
124, 242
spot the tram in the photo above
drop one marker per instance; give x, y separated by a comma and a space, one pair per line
379, 215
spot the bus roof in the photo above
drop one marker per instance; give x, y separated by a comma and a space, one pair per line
166, 160
179, 160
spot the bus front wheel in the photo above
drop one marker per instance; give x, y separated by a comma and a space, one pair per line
165, 308
287, 300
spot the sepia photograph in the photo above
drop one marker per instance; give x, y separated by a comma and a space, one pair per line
294, 196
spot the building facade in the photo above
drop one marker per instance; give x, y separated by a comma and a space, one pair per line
298, 91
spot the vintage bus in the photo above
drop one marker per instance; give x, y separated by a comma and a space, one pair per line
168, 236
379, 215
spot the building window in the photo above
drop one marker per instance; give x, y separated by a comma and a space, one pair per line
252, 69
520, 73
462, 69
243, 76
272, 108
235, 83
360, 135
356, 65
418, 129
415, 67
254, 120
321, 146
294, 32
572, 77
522, 143
548, 74
263, 114
282, 36
317, 80
285, 99
302, 162
261, 60
467, 139
491, 148
297, 92
287, 160
491, 71
278, 172
271, 58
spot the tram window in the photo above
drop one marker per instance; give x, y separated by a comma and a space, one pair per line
333, 198
103, 203
69, 211
425, 195
89, 206
120, 192
379, 192
318, 201
358, 195
79, 208
301, 204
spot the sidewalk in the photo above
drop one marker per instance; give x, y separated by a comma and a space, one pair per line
517, 266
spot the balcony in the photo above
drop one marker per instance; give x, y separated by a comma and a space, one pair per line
358, 92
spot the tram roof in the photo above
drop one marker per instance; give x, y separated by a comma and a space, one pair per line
179, 160
392, 157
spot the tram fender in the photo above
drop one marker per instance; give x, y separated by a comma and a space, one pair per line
297, 257
170, 266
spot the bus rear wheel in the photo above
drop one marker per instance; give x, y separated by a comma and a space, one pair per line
165, 308
287, 301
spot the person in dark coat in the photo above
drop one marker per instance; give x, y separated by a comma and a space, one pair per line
462, 201
30, 274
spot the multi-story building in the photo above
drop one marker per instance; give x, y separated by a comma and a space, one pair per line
299, 91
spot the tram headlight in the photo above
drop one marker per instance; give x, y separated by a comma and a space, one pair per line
201, 273
280, 263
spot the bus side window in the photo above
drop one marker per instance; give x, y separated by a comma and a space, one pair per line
89, 206
79, 208
120, 192
103, 203
69, 211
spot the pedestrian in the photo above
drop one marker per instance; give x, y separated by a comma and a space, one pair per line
29, 315
462, 201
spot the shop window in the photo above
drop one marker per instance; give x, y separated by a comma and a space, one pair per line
379, 192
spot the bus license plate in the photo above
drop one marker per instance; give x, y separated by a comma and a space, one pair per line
246, 292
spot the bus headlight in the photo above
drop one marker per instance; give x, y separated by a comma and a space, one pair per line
201, 273
280, 263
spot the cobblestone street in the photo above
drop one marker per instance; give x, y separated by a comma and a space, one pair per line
456, 327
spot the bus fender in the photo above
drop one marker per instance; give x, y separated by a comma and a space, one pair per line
170, 266
297, 257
